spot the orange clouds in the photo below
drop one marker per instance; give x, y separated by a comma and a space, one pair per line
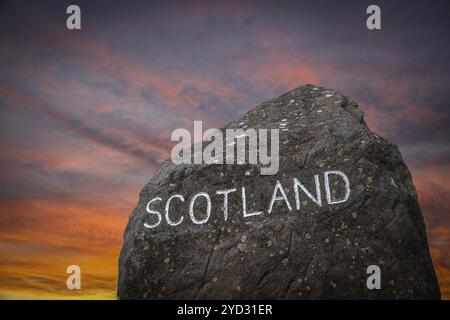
433, 190
441, 259
39, 239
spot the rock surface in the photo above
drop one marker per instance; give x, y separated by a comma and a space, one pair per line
316, 252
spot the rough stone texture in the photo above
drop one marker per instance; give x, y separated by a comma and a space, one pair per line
311, 253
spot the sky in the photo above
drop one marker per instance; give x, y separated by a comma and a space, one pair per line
86, 115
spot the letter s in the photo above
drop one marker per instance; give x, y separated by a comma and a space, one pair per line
157, 213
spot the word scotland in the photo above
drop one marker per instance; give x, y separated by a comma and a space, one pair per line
278, 195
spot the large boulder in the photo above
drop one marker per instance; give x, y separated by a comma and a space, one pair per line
314, 243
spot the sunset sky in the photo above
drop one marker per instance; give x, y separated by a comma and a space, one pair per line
86, 115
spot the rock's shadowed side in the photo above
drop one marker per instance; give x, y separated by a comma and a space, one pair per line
317, 252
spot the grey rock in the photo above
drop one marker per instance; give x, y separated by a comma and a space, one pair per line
316, 252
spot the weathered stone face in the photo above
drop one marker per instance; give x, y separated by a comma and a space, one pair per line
304, 248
